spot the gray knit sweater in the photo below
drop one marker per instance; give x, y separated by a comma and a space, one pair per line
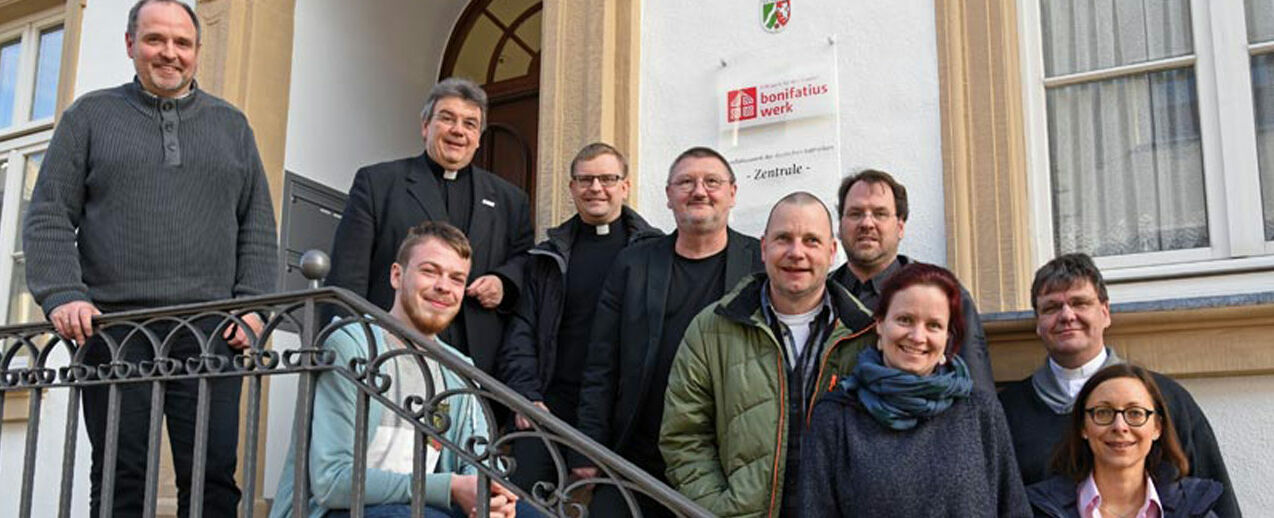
144, 202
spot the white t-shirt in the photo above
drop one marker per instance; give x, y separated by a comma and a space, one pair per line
799, 326
394, 438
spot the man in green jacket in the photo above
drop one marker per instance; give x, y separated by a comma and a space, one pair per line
752, 365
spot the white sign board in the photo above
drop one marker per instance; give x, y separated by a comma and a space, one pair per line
779, 127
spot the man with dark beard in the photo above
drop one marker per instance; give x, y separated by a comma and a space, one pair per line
873, 215
428, 276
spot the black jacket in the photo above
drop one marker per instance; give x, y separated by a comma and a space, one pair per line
1037, 430
1186, 498
389, 198
973, 348
529, 353
627, 329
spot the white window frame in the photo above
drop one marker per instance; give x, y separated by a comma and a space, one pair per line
16, 152
25, 136
1227, 124
28, 29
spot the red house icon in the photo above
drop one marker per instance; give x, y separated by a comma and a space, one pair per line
741, 104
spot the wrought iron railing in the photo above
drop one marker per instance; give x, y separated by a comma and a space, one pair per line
26, 365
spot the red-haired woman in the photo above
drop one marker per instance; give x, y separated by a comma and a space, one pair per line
906, 434
1120, 436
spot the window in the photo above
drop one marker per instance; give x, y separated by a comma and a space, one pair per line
30, 64
30, 71
1150, 134
1260, 39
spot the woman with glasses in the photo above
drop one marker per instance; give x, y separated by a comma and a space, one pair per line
1111, 462
906, 434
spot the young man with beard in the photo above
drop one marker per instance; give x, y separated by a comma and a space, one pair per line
547, 338
873, 215
428, 276
753, 364
652, 292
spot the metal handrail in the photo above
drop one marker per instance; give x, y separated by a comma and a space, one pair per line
302, 310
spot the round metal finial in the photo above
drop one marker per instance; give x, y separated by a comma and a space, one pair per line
314, 266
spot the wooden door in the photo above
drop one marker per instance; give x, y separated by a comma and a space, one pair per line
497, 45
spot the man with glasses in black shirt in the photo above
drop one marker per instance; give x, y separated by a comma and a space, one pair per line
653, 291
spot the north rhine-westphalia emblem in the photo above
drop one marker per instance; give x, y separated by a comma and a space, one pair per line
775, 14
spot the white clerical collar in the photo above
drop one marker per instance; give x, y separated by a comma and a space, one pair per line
449, 175
1083, 372
1074, 379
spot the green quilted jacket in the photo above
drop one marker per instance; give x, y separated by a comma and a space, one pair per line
725, 422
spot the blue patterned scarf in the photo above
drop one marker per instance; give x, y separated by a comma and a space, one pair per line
899, 399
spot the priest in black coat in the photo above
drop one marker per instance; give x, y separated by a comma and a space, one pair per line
441, 184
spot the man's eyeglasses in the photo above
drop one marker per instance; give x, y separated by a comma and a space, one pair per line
687, 184
857, 216
608, 180
1104, 415
450, 120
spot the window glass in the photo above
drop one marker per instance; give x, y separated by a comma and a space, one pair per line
1081, 36
10, 53
29, 174
47, 68
1260, 20
22, 307
1127, 165
1125, 156
1263, 103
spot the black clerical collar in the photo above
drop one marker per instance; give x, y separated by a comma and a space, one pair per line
601, 231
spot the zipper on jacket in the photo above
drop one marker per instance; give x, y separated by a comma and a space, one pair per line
827, 355
778, 449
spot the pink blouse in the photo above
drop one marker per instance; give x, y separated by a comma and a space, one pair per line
1090, 501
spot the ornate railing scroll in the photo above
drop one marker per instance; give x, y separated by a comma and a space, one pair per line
34, 360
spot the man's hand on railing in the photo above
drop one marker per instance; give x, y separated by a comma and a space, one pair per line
464, 495
74, 320
237, 337
522, 422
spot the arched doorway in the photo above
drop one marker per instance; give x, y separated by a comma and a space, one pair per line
497, 45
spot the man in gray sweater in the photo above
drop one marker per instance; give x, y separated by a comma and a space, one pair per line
151, 194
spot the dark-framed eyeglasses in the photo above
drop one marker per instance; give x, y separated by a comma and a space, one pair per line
1104, 415
608, 180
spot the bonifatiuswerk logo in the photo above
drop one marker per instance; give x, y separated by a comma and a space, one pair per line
741, 104
775, 14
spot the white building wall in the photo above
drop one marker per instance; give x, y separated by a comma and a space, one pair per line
888, 81
1241, 411
103, 60
360, 74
